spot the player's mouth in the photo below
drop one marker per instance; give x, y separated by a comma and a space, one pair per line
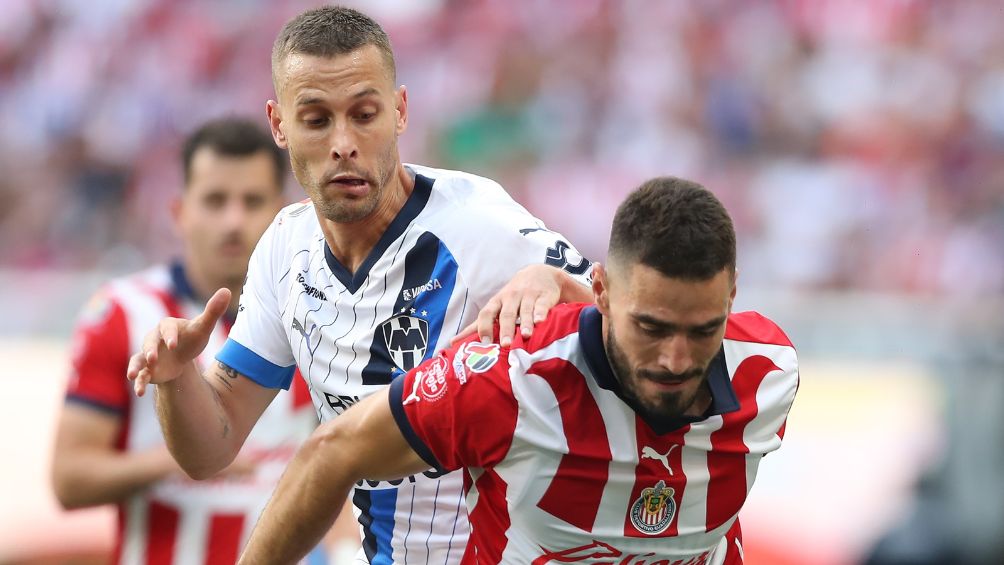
232, 248
669, 383
350, 184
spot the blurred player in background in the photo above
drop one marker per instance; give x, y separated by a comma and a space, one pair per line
377, 272
625, 432
109, 446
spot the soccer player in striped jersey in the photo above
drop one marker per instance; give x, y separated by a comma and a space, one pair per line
369, 277
626, 432
109, 447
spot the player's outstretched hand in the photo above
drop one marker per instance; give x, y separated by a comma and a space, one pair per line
525, 300
172, 346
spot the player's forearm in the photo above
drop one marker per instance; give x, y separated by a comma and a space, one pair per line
86, 476
306, 501
196, 424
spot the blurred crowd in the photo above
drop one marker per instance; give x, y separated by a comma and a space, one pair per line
859, 145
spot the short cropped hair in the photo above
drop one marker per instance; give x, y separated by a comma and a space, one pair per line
675, 226
233, 137
330, 31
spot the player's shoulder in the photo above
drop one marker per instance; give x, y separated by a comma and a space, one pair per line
754, 327
461, 204
292, 228
561, 322
480, 198
153, 279
118, 294
295, 216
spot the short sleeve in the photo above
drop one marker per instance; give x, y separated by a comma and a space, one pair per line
258, 347
513, 239
100, 356
457, 409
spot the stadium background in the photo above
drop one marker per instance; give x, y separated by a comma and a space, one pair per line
857, 144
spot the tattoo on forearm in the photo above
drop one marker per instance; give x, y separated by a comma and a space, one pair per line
226, 375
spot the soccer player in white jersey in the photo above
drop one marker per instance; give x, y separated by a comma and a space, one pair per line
373, 274
625, 432
109, 447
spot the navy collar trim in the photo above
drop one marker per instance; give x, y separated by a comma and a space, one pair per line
723, 397
180, 287
412, 208
183, 290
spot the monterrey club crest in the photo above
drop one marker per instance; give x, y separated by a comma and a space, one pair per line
407, 338
481, 357
654, 510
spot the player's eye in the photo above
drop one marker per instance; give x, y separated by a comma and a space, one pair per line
254, 202
315, 121
215, 201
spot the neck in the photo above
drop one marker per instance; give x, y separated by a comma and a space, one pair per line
352, 242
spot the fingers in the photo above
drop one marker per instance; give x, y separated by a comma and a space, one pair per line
507, 319
215, 308
136, 363
486, 319
526, 309
142, 380
462, 334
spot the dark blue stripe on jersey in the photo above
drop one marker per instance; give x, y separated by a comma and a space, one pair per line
91, 403
432, 304
419, 265
412, 208
397, 394
254, 366
377, 508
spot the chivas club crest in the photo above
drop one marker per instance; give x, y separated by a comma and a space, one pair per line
407, 338
654, 510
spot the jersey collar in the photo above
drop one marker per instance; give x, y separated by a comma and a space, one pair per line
723, 397
412, 208
183, 291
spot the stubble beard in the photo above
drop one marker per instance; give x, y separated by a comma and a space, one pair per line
665, 408
345, 210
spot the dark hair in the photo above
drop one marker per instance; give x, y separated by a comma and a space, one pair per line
675, 226
233, 137
330, 31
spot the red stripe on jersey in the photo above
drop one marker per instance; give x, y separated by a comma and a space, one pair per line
100, 357
224, 538
301, 392
168, 300
162, 533
734, 539
577, 487
755, 328
727, 459
562, 320
650, 470
491, 514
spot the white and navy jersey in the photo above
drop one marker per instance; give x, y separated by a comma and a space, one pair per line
178, 520
457, 240
562, 469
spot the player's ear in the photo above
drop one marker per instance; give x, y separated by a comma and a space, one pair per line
732, 295
601, 290
401, 109
274, 114
177, 209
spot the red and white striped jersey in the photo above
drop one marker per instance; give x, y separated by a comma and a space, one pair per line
178, 520
560, 469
